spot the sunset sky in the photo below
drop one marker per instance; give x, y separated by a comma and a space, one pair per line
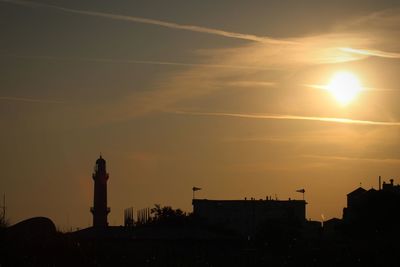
240, 98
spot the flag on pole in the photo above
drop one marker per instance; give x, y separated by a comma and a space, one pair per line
196, 188
301, 191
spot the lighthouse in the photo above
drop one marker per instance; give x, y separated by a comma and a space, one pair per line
100, 209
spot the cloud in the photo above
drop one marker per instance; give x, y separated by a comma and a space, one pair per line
340, 158
316, 136
263, 62
269, 66
381, 28
251, 83
287, 164
287, 117
172, 25
132, 61
375, 53
297, 45
195, 28
387, 20
257, 139
325, 87
30, 100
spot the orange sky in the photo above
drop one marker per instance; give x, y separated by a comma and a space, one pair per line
224, 96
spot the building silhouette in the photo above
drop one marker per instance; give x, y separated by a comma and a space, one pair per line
373, 210
100, 209
249, 217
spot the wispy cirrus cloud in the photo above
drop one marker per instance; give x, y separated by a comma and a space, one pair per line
325, 87
264, 58
226, 67
342, 158
367, 52
172, 25
297, 43
30, 100
287, 117
258, 139
200, 29
196, 82
133, 61
251, 83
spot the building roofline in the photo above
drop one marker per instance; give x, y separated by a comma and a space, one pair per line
249, 200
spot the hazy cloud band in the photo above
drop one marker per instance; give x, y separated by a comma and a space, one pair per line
32, 100
341, 158
172, 25
133, 61
287, 117
195, 28
375, 53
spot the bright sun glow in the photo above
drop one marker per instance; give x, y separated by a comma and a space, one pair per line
344, 86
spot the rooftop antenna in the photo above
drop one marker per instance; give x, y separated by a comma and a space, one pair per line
4, 209
380, 183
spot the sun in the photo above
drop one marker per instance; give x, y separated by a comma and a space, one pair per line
344, 86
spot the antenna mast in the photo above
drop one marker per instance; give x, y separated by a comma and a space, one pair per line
3, 217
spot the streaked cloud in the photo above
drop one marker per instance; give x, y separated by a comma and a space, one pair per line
172, 25
258, 139
325, 87
342, 158
243, 66
132, 61
315, 136
30, 100
287, 117
195, 82
290, 164
375, 53
252, 83
324, 49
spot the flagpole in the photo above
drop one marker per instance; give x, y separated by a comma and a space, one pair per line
303, 192
194, 189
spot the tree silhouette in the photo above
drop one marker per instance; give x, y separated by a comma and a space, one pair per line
167, 215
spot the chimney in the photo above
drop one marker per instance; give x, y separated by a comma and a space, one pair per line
391, 181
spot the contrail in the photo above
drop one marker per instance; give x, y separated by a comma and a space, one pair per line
253, 84
325, 87
376, 53
388, 160
172, 25
32, 100
132, 61
316, 86
286, 117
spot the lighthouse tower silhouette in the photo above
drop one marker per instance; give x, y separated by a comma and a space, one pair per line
100, 209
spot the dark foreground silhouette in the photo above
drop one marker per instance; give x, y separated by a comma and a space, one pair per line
186, 241
221, 233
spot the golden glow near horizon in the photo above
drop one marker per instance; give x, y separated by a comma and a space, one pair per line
344, 86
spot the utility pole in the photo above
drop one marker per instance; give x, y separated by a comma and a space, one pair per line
3, 217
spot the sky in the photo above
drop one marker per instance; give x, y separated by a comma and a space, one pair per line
230, 96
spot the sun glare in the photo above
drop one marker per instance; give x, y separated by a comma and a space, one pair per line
345, 87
